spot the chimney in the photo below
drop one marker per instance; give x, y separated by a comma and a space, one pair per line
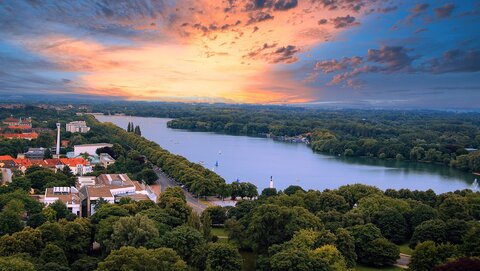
58, 140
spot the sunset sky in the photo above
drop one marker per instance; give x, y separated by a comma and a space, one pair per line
321, 52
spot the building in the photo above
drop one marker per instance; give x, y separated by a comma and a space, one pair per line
106, 160
35, 153
6, 175
111, 187
77, 127
78, 166
89, 148
20, 123
67, 195
27, 136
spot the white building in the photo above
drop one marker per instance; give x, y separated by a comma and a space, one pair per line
112, 187
77, 127
89, 148
67, 195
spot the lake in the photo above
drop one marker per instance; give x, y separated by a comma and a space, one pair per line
256, 159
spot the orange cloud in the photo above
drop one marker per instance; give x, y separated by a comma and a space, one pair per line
202, 53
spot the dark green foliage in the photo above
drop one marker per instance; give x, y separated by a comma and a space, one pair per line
433, 230
392, 225
223, 257
292, 189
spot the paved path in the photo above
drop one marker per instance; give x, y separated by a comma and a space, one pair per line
404, 261
164, 181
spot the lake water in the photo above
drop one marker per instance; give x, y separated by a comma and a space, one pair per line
256, 159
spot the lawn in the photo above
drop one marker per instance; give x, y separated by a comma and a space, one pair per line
221, 233
405, 249
361, 267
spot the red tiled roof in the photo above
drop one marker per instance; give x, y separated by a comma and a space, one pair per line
24, 136
6, 157
11, 119
23, 162
21, 127
74, 161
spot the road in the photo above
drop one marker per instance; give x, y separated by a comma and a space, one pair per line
164, 181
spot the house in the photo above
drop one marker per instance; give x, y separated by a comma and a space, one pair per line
67, 195
22, 164
77, 127
106, 160
111, 187
89, 148
78, 166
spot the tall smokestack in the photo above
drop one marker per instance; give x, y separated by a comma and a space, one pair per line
58, 140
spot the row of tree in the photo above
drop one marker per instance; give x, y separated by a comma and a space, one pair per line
131, 128
199, 180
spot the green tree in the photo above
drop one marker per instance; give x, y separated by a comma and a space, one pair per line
380, 252
15, 264
454, 206
392, 224
133, 231
183, 240
471, 242
223, 256
345, 243
10, 222
292, 189
434, 230
424, 256
142, 259
60, 209
53, 254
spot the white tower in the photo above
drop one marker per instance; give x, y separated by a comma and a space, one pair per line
271, 181
58, 141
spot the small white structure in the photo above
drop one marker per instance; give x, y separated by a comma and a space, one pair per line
77, 127
271, 181
67, 195
106, 160
89, 148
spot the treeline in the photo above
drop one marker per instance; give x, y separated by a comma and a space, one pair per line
336, 229
433, 137
199, 180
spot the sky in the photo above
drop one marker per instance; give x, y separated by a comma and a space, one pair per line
422, 54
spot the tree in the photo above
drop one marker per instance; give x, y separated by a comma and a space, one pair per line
363, 235
60, 209
223, 256
15, 264
86, 263
380, 252
292, 260
392, 224
53, 254
455, 230
461, 264
424, 256
133, 231
345, 243
26, 241
422, 213
142, 259
137, 130
434, 230
218, 214
471, 242
292, 189
454, 206
183, 240
10, 222
51, 266
268, 192
206, 225
147, 175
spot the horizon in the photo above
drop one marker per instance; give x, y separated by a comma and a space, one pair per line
325, 54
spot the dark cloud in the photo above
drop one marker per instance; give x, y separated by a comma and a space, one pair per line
387, 9
257, 17
353, 5
454, 61
329, 66
284, 54
341, 22
271, 4
445, 10
274, 54
393, 57
322, 21
417, 11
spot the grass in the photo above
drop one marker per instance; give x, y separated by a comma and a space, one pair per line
405, 249
361, 267
221, 233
